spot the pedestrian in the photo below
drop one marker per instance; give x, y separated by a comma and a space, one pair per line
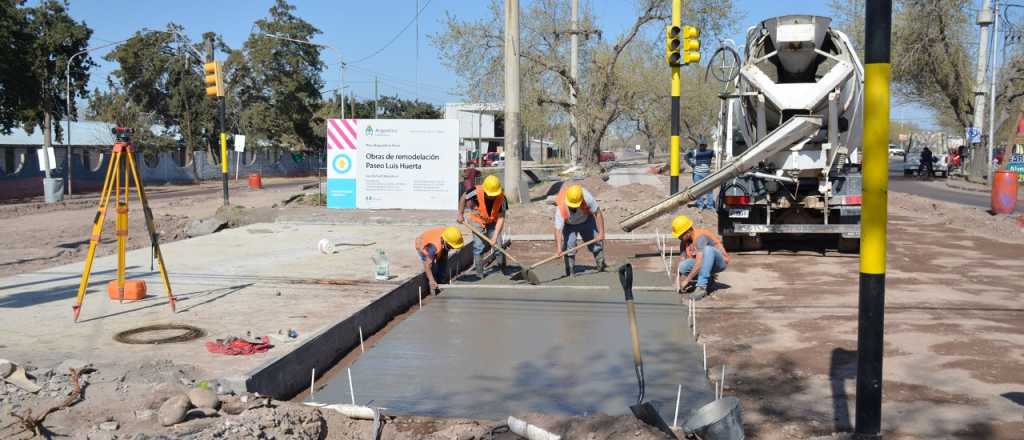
705, 256
469, 176
577, 212
700, 161
488, 208
926, 163
433, 246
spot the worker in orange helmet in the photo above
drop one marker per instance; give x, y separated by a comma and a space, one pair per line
488, 208
704, 256
433, 246
577, 212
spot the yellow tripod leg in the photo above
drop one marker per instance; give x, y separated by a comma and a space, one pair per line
121, 227
97, 231
151, 227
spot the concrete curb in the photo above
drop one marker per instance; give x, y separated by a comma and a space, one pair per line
966, 188
288, 375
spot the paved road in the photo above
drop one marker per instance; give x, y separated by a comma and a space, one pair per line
935, 189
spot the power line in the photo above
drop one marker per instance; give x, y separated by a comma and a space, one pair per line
395, 38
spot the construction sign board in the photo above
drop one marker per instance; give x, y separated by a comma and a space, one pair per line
392, 163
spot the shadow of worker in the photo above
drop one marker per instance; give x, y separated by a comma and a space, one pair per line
842, 366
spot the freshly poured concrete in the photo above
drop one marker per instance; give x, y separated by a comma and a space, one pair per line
490, 353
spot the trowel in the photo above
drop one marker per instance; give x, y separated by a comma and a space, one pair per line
645, 411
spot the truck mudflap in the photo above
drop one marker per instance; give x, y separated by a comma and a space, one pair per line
846, 230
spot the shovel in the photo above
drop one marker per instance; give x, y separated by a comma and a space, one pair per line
644, 411
532, 277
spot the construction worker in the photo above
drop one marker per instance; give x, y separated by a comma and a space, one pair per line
577, 212
705, 256
700, 161
488, 213
433, 246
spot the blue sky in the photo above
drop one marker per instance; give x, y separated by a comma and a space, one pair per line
359, 28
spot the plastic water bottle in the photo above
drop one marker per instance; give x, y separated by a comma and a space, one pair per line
382, 270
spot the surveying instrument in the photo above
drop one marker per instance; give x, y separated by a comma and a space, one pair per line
121, 168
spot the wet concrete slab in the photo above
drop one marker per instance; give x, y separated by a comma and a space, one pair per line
491, 352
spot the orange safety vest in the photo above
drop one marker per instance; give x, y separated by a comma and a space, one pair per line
691, 251
484, 217
428, 237
563, 206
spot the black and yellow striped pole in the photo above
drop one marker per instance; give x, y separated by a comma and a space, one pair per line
877, 31
674, 58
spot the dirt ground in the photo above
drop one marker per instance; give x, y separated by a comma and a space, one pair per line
783, 322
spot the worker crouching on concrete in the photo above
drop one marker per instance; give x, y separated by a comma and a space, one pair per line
433, 246
489, 206
705, 256
577, 212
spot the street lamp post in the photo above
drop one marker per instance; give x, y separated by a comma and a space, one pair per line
341, 62
67, 87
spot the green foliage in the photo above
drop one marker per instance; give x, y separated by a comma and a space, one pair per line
15, 80
275, 84
48, 38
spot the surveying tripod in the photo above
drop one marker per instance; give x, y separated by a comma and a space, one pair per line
122, 162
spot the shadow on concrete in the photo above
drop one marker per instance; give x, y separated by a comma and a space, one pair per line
45, 295
209, 296
62, 278
842, 367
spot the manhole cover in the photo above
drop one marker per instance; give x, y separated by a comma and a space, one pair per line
159, 334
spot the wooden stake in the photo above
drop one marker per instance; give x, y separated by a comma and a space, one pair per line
362, 349
351, 391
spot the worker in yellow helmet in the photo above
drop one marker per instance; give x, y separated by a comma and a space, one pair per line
578, 213
488, 206
433, 246
705, 256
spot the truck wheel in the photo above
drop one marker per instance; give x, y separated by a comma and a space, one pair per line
732, 243
752, 243
849, 245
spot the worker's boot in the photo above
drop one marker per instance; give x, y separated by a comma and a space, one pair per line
570, 266
599, 258
478, 266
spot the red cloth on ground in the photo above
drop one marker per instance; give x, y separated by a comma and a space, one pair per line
237, 346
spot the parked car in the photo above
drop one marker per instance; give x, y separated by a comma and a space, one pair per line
896, 151
912, 163
606, 156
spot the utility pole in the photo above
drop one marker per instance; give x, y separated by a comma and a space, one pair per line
985, 20
992, 94
874, 217
675, 110
513, 168
574, 56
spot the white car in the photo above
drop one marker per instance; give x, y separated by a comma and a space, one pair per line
912, 163
896, 151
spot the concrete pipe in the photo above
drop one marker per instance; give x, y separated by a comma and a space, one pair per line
528, 431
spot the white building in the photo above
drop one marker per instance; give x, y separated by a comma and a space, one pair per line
477, 123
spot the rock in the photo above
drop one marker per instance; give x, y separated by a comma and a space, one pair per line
101, 435
144, 414
109, 426
205, 226
6, 368
196, 413
203, 398
42, 373
173, 410
68, 364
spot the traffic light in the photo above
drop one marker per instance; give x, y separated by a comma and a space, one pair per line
214, 78
691, 45
672, 45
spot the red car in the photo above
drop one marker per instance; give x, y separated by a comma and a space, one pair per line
606, 156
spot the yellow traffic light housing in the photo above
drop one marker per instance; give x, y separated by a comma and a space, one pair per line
673, 45
214, 78
691, 45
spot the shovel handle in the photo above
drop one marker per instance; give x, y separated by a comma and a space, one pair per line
490, 242
560, 254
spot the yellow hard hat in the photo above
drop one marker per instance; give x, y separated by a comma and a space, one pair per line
680, 225
452, 236
574, 196
492, 186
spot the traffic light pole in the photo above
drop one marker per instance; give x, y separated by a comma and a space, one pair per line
871, 304
673, 183
215, 87
223, 148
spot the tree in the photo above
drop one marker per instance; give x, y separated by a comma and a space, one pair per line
472, 49
275, 83
159, 75
55, 37
15, 79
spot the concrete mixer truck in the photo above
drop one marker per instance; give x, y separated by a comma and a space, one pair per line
790, 140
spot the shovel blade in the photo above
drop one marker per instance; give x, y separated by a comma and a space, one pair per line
532, 277
648, 414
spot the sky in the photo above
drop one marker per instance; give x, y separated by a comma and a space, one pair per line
358, 29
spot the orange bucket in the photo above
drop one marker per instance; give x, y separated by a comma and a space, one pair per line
1004, 191
255, 181
134, 290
